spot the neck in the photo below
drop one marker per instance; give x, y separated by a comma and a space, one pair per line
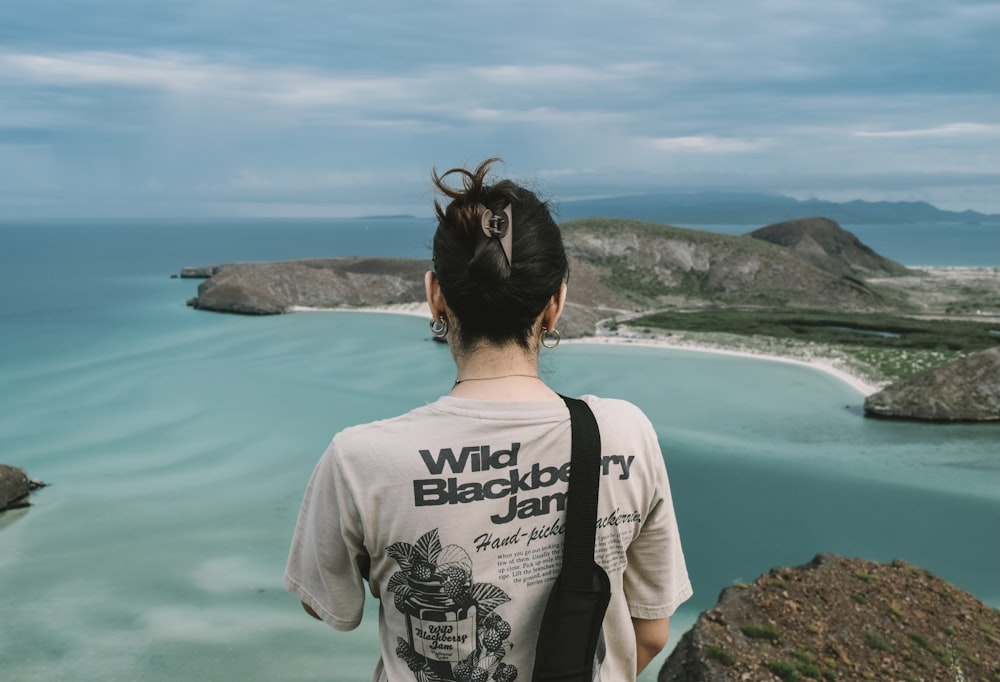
507, 373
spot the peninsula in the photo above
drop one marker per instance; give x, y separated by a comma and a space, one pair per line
805, 289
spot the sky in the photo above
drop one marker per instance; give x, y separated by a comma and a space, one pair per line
280, 108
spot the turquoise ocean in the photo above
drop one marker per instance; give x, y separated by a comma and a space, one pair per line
178, 443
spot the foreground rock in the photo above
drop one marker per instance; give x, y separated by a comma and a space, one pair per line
841, 619
967, 389
14, 487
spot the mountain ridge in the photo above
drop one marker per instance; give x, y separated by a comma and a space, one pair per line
706, 208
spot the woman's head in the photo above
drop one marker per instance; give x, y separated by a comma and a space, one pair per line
495, 300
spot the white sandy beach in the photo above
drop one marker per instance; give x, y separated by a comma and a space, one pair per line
656, 341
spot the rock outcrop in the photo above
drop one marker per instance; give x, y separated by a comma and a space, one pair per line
829, 246
14, 487
967, 389
841, 619
278, 287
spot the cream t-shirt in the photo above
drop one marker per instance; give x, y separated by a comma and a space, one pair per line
454, 514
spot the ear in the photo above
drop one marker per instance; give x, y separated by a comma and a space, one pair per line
552, 312
435, 299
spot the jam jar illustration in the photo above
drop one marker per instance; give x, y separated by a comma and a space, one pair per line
441, 620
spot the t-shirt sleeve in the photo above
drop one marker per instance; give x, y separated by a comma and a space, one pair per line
656, 579
325, 561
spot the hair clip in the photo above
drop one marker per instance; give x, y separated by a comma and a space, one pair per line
499, 226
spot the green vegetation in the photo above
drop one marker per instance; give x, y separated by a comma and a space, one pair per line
804, 667
868, 330
785, 670
877, 642
635, 283
720, 655
867, 577
921, 344
859, 598
761, 632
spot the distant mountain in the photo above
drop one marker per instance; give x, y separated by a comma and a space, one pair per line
827, 245
707, 208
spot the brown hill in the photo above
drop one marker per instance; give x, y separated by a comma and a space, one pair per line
829, 246
841, 619
655, 265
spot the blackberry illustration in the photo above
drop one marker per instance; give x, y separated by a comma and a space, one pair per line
495, 622
463, 670
455, 581
505, 673
422, 570
399, 599
433, 586
491, 639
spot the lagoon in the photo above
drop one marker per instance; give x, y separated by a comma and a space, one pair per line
178, 444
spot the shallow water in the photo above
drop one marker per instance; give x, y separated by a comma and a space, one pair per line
178, 444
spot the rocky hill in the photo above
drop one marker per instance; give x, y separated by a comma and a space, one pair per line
966, 389
841, 619
653, 265
824, 243
616, 266
279, 287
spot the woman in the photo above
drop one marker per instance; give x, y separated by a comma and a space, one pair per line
453, 513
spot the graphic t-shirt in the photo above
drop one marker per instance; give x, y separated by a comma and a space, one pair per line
454, 515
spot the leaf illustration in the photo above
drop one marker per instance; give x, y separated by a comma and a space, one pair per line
428, 675
396, 581
489, 662
402, 552
429, 547
487, 597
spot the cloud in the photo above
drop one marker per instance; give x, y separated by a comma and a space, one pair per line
705, 144
232, 103
947, 130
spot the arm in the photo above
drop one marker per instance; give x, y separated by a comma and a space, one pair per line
650, 638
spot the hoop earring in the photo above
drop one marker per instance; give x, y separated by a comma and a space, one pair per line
439, 328
550, 339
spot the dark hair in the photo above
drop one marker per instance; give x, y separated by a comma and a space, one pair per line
493, 300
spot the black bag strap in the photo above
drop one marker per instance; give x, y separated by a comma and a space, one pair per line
581, 505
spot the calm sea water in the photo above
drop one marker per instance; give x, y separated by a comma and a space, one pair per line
178, 443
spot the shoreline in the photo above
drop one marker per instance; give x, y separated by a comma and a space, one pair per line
860, 384
823, 365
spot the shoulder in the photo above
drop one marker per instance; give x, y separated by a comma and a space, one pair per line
624, 427
615, 410
365, 436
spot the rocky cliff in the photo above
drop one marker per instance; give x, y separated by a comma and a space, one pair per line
967, 389
279, 287
841, 619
